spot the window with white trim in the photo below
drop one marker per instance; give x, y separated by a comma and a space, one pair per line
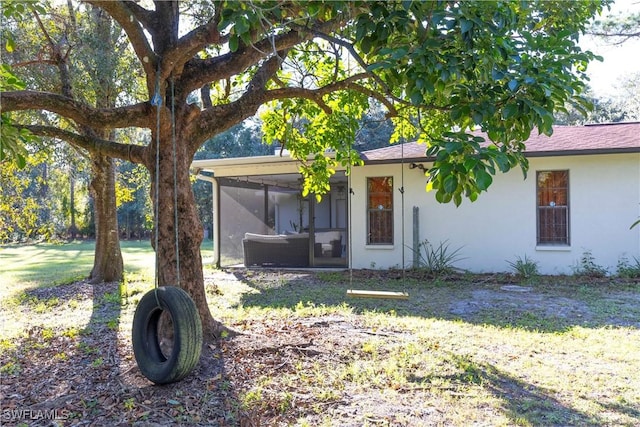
380, 210
553, 208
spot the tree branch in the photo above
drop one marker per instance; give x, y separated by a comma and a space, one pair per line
122, 13
132, 153
190, 44
144, 16
222, 117
349, 46
621, 36
317, 94
137, 115
198, 72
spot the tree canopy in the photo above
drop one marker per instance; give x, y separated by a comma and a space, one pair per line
310, 69
502, 66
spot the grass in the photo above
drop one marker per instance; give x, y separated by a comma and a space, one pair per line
462, 350
560, 354
48, 264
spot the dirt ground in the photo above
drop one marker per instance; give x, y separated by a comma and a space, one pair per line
91, 378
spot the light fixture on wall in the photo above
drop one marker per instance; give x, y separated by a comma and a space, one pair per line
340, 192
417, 166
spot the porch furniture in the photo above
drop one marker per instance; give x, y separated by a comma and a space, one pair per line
279, 250
328, 244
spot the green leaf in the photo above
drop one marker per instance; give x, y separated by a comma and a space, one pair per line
416, 97
10, 45
465, 25
509, 111
503, 162
470, 163
450, 184
375, 66
399, 53
234, 41
513, 85
442, 196
242, 25
483, 179
21, 161
366, 44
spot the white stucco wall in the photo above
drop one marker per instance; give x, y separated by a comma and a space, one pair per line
501, 225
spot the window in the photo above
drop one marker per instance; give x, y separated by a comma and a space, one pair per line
380, 211
553, 207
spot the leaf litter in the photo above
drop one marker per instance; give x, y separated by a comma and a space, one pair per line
284, 370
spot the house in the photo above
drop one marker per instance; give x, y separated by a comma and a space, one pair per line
581, 195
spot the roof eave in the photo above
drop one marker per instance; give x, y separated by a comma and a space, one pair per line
555, 153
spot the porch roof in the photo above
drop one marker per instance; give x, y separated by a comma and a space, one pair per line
256, 165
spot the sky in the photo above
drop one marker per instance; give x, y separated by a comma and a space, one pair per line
619, 60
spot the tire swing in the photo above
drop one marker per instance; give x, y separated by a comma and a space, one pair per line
160, 361
167, 331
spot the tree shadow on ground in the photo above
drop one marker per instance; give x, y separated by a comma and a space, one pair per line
471, 299
65, 364
523, 403
87, 372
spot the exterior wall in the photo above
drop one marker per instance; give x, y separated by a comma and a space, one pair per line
287, 212
604, 192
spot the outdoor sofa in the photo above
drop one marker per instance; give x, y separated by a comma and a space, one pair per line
278, 250
289, 250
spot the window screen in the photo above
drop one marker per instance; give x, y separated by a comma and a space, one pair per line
553, 207
380, 210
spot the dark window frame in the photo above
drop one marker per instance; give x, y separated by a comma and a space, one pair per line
380, 214
553, 227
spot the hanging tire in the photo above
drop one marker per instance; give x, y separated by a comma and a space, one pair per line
163, 306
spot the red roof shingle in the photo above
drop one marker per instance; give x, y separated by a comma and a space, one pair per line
566, 140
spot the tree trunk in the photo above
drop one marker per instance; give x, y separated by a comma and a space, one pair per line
188, 229
107, 263
72, 231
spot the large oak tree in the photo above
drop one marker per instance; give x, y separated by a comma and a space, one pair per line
438, 68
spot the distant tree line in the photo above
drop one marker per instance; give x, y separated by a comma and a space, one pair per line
49, 197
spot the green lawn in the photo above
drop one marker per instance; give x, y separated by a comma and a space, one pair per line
463, 350
48, 264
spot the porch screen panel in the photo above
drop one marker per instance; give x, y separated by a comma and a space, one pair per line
242, 210
553, 207
380, 210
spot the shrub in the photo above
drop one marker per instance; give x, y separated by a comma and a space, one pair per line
525, 268
628, 269
437, 260
587, 266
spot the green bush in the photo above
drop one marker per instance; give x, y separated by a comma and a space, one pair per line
437, 260
628, 269
587, 266
525, 268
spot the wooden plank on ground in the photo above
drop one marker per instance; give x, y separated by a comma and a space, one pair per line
356, 293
